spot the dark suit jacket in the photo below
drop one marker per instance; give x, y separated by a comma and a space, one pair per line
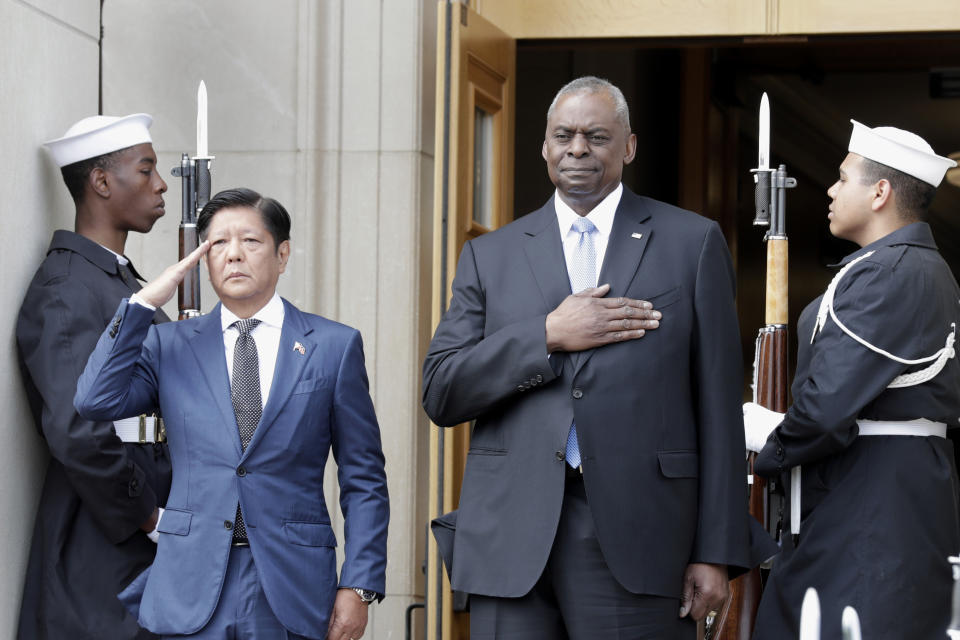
87, 544
319, 402
658, 419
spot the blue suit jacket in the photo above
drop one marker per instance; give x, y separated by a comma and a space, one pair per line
319, 400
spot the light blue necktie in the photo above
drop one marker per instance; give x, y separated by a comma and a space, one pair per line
583, 276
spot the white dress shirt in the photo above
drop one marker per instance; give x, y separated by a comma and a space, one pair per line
602, 218
266, 335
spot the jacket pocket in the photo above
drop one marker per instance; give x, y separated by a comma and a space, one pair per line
679, 464
175, 521
486, 451
664, 298
310, 385
310, 534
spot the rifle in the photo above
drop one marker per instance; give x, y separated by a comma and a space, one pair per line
770, 369
194, 174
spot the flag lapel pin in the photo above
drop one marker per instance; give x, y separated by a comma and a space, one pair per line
299, 348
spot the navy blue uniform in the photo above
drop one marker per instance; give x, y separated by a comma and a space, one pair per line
879, 513
87, 544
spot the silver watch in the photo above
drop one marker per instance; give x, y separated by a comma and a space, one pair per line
366, 595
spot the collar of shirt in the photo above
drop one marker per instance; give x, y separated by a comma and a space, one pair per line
602, 218
121, 259
270, 314
266, 335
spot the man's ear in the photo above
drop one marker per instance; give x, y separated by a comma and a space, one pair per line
882, 194
631, 150
283, 252
98, 182
543, 150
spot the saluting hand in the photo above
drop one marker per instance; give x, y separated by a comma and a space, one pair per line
586, 320
162, 288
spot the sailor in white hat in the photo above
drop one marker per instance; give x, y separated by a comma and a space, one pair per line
876, 387
103, 487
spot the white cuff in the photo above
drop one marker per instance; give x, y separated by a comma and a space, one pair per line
155, 535
758, 423
135, 299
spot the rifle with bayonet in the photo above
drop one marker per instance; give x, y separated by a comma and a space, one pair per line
770, 372
194, 174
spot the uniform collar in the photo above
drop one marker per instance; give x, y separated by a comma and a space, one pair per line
90, 250
917, 234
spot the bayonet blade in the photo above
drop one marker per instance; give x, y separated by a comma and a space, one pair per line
763, 156
202, 120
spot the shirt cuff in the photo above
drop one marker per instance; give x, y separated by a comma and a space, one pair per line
135, 299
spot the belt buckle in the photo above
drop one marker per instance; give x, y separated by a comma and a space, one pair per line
159, 430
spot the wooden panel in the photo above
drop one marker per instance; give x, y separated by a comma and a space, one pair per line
627, 18
481, 71
860, 16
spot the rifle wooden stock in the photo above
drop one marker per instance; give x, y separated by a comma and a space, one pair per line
188, 293
736, 619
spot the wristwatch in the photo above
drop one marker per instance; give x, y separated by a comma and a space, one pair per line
366, 595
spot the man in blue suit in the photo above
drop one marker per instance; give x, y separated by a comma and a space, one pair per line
254, 396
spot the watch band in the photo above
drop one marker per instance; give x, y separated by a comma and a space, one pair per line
365, 594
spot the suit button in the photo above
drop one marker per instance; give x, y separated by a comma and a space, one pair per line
227, 524
561, 456
780, 452
577, 393
113, 333
241, 472
539, 378
520, 387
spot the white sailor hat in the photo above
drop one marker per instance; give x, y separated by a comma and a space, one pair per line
901, 150
97, 135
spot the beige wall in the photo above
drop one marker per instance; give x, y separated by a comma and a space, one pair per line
42, 90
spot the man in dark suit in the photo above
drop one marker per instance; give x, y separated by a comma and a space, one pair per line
103, 485
255, 396
604, 489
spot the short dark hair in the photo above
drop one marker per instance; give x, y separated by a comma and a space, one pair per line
75, 175
913, 195
275, 217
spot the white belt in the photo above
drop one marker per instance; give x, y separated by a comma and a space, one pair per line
919, 427
142, 429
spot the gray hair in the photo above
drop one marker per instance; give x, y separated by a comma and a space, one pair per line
593, 84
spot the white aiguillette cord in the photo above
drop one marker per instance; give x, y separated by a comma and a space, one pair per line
906, 380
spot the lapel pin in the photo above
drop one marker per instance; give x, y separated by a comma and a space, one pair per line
299, 348
636, 235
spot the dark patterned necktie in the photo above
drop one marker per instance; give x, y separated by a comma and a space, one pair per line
245, 394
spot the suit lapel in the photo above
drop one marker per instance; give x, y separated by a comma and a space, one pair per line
207, 345
628, 240
288, 370
544, 250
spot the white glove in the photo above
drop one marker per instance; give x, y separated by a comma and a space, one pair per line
155, 535
758, 423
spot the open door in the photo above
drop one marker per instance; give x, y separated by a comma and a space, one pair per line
473, 195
